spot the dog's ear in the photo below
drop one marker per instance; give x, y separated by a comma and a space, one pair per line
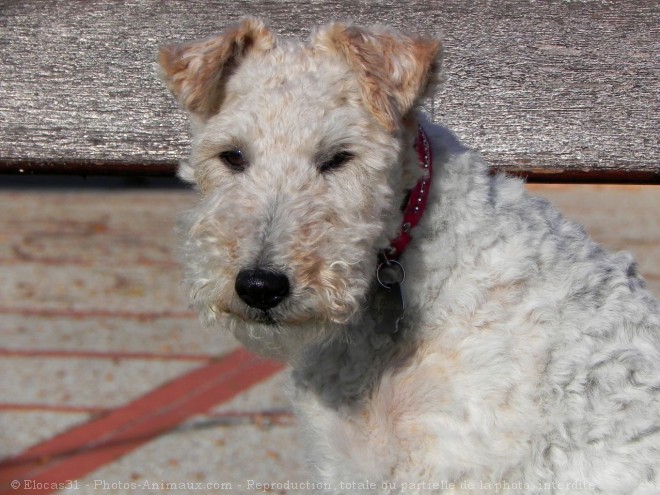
196, 72
393, 69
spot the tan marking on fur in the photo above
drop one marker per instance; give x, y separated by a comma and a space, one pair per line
392, 69
313, 272
232, 248
203, 179
196, 72
309, 268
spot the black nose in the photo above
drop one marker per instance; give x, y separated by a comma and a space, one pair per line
261, 289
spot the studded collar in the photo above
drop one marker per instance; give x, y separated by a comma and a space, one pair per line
387, 300
414, 209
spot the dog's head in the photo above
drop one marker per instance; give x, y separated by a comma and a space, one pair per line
303, 154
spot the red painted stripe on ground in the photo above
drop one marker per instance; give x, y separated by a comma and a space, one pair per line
83, 449
8, 406
48, 353
98, 313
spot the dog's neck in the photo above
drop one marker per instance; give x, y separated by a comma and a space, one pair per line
342, 370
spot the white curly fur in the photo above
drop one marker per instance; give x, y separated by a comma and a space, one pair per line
529, 359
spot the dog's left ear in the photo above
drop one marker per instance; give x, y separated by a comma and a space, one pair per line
393, 69
197, 72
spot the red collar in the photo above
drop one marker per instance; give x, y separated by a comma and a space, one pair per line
414, 209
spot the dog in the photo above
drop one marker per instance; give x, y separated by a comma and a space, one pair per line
446, 331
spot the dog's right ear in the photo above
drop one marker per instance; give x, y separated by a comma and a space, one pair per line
196, 72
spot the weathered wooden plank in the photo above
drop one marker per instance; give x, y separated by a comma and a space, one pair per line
537, 87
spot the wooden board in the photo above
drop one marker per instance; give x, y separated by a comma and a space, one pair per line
551, 87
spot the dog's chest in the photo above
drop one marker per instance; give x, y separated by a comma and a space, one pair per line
438, 417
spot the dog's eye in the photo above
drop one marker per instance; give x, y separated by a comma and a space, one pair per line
336, 161
234, 159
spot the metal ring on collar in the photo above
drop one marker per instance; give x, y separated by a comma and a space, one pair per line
398, 267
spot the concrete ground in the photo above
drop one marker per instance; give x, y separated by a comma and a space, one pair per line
109, 385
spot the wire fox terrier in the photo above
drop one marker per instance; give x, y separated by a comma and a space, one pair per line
517, 356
